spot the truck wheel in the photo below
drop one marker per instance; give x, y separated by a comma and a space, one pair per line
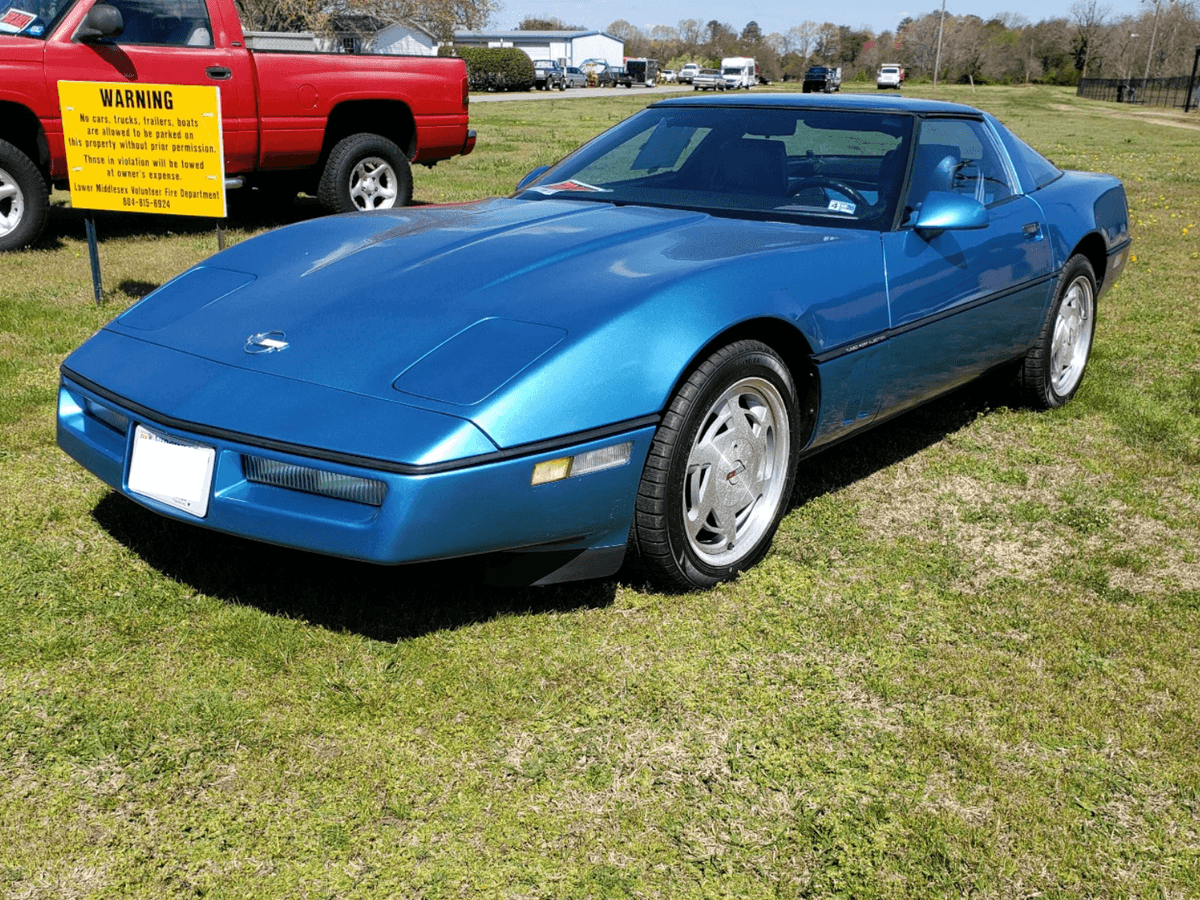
24, 199
365, 172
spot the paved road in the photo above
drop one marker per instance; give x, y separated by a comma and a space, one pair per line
579, 93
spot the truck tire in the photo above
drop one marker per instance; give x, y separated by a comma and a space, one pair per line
365, 172
24, 199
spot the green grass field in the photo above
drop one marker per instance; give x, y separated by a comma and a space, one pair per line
969, 667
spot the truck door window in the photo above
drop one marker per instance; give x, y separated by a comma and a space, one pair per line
169, 23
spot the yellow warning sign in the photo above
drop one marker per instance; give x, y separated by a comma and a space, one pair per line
152, 148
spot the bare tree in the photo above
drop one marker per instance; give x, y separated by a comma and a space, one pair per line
827, 42
803, 38
690, 31
439, 17
919, 39
1089, 16
621, 29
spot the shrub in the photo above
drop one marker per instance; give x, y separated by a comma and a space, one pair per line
495, 68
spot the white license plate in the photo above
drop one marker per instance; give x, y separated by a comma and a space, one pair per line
174, 472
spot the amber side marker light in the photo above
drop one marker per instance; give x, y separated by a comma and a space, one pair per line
583, 464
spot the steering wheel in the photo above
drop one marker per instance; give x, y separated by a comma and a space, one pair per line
824, 181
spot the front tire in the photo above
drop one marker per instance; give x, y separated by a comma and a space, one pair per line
720, 470
1053, 368
24, 199
365, 172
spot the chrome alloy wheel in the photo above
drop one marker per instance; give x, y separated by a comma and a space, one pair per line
373, 184
12, 203
736, 471
1072, 340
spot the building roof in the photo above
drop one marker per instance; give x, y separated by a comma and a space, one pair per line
518, 35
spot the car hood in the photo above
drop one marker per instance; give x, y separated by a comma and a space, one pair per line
449, 308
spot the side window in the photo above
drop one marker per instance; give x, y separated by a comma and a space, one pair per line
958, 156
171, 23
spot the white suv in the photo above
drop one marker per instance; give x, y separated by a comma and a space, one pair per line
889, 77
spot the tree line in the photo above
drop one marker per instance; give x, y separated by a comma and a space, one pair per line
1158, 40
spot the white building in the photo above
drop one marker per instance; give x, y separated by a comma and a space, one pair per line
369, 34
569, 48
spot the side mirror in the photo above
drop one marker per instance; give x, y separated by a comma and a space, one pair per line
102, 21
528, 179
943, 211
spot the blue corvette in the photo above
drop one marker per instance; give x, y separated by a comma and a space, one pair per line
633, 351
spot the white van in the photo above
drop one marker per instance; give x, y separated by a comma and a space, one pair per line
739, 72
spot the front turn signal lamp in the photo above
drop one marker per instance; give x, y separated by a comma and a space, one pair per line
583, 464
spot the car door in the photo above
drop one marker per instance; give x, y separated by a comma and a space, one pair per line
172, 42
962, 300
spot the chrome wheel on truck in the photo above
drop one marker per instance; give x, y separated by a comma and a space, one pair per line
365, 172
24, 199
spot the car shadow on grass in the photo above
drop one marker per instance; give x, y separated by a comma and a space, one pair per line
864, 454
391, 603
386, 603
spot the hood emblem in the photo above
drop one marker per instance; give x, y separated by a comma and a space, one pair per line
266, 342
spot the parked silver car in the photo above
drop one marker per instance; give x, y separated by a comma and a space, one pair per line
708, 80
575, 77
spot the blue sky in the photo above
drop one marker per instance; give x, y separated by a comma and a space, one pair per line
773, 15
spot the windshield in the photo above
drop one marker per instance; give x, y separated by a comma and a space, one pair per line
31, 18
824, 166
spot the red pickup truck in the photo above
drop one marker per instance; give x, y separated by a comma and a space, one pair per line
342, 127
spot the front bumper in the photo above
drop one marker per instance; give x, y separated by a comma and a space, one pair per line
435, 513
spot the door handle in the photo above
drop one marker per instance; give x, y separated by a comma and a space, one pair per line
1031, 230
219, 73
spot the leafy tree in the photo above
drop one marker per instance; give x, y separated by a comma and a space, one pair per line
751, 35
533, 23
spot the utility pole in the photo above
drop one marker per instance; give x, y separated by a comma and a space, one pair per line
1150, 55
937, 62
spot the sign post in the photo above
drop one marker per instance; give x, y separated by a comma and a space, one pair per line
152, 148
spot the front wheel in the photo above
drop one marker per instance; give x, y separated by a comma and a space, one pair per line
365, 172
720, 470
24, 199
1053, 368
